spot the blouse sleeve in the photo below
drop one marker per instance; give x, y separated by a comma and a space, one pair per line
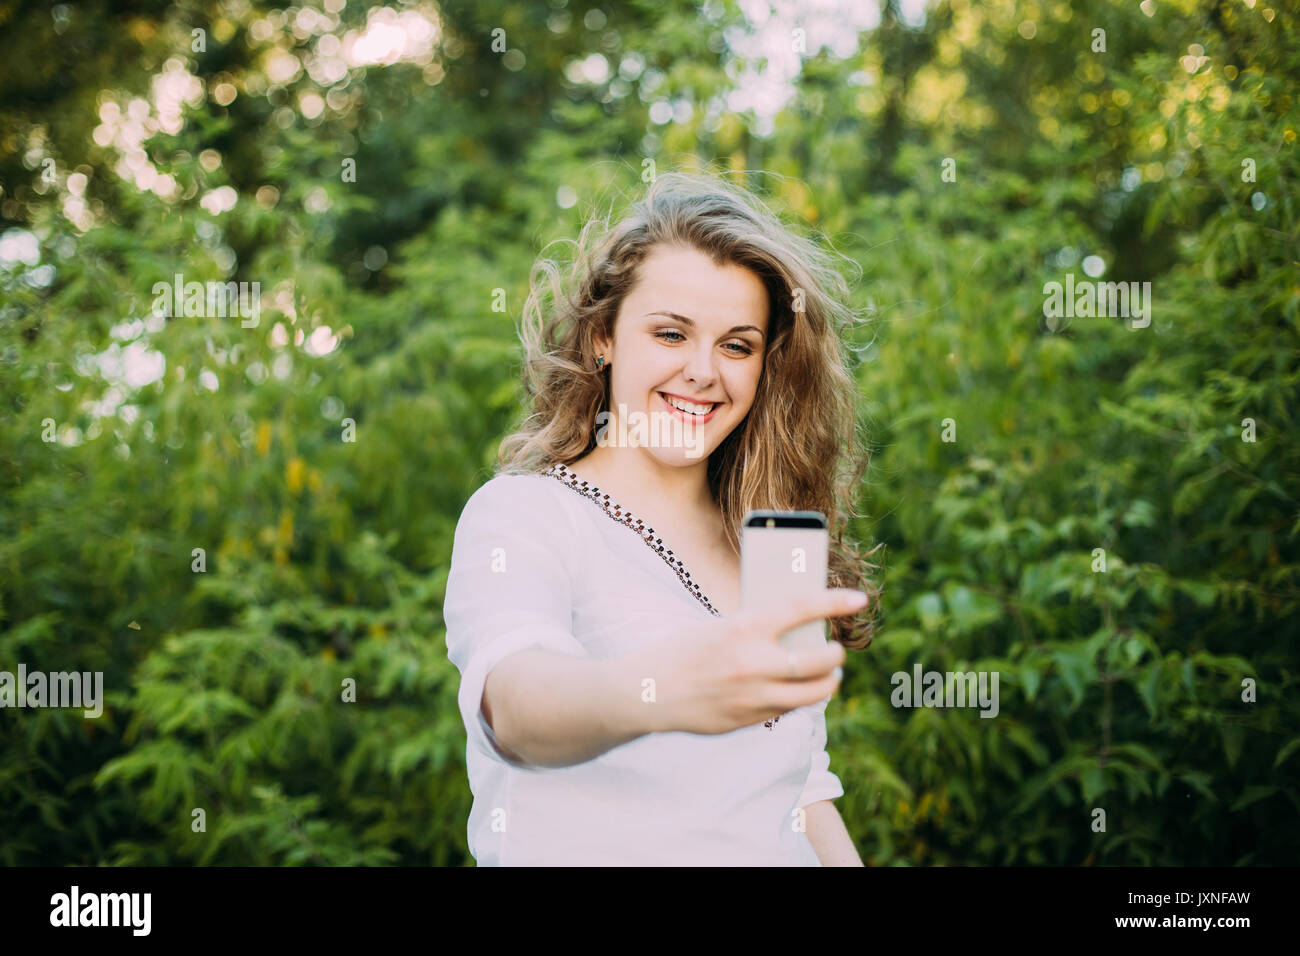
821, 784
509, 589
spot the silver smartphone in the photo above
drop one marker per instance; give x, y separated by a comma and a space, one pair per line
783, 554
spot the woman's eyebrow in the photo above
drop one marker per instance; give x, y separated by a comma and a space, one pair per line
691, 322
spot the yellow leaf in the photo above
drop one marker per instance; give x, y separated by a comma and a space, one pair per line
140, 29
263, 438
293, 475
327, 653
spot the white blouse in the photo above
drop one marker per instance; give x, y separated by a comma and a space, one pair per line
545, 561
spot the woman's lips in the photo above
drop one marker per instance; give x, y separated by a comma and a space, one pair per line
686, 417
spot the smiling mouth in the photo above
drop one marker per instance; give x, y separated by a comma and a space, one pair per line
689, 415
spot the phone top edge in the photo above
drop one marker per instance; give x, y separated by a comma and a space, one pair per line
784, 519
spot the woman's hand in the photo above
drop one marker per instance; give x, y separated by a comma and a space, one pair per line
733, 672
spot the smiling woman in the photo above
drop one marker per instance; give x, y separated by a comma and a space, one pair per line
703, 311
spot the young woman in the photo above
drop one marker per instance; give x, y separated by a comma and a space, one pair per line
621, 709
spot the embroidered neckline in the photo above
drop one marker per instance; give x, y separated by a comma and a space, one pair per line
623, 516
616, 512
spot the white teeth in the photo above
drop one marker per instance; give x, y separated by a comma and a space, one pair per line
689, 407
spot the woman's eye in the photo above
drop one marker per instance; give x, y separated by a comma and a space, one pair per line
738, 348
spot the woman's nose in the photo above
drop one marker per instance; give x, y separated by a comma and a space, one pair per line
700, 367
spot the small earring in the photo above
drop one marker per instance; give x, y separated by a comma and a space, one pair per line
600, 362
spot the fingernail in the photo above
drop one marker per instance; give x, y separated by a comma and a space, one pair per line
839, 673
857, 599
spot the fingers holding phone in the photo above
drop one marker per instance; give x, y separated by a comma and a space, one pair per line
769, 658
813, 667
783, 594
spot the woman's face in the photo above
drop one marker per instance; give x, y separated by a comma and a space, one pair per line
692, 331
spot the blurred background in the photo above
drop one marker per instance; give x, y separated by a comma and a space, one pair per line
232, 516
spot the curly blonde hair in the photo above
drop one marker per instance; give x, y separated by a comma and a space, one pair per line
799, 447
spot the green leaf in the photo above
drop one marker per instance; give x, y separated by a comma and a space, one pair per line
1141, 514
1030, 678
1093, 783
1074, 665
1252, 794
1147, 685
1199, 781
1200, 592
970, 609
1233, 736
1287, 750
930, 606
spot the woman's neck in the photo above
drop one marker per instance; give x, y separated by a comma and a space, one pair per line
662, 495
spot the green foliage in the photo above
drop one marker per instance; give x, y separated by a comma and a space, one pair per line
326, 560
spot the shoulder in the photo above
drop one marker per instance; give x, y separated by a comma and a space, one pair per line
526, 514
526, 500
511, 490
